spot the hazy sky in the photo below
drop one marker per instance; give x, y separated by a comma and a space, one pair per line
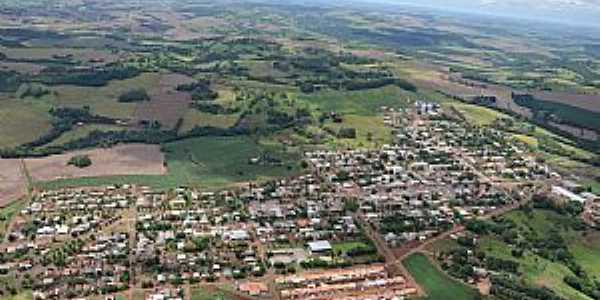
572, 11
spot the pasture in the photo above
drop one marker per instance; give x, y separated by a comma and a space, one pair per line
22, 122
363, 103
437, 285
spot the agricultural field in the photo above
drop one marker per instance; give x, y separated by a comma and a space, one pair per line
202, 162
132, 159
437, 285
22, 122
13, 182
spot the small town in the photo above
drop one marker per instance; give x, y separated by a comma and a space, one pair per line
339, 231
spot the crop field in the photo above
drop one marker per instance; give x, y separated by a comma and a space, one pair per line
22, 122
209, 162
132, 159
437, 285
13, 183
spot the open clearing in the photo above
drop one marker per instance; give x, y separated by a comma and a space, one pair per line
437, 285
133, 159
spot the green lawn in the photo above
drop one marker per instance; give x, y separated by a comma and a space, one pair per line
437, 285
347, 246
207, 162
200, 294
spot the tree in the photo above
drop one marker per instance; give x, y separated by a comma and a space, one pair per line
80, 161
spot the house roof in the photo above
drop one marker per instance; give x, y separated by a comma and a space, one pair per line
319, 246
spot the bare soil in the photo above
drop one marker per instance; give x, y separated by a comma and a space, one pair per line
13, 183
133, 159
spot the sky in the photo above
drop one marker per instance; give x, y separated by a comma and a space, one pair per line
582, 12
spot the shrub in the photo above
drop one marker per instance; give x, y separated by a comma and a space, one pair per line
80, 161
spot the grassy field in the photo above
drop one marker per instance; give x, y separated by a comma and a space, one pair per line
542, 272
102, 100
201, 294
209, 162
6, 215
345, 247
370, 132
364, 103
193, 118
28, 295
476, 114
22, 121
437, 285
81, 132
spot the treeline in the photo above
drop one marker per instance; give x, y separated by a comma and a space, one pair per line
111, 138
63, 121
200, 90
91, 77
504, 287
10, 81
134, 95
214, 108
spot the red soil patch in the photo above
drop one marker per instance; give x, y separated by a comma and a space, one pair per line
133, 159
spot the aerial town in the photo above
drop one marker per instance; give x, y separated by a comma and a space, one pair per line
336, 232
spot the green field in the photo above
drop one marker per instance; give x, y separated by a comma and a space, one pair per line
371, 132
542, 272
365, 102
7, 213
22, 296
437, 285
207, 162
82, 132
476, 114
102, 100
201, 294
193, 118
22, 121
